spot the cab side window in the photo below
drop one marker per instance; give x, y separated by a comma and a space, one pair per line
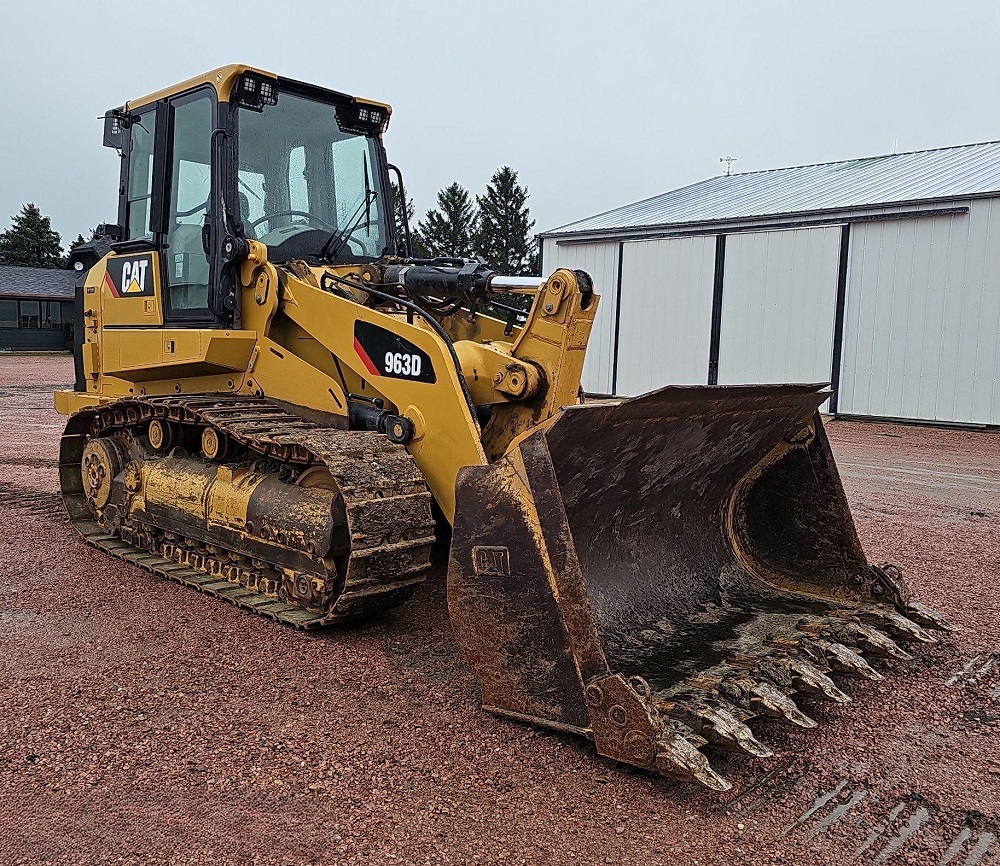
187, 266
140, 176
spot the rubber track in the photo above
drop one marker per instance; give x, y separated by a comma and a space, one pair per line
386, 499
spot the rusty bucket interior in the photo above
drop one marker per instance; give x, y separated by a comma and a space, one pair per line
695, 542
698, 525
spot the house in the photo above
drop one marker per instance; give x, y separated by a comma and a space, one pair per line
36, 308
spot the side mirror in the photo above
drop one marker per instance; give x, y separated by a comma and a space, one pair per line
116, 122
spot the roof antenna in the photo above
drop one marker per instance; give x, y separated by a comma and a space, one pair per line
728, 160
894, 147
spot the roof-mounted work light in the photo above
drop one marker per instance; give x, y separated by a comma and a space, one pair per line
362, 118
254, 91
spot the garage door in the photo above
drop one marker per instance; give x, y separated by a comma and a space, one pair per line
922, 323
666, 313
779, 305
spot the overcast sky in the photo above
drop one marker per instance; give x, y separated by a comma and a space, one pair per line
595, 104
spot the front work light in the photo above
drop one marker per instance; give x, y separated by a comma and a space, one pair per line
363, 118
254, 91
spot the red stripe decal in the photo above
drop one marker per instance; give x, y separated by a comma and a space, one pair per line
110, 283
363, 355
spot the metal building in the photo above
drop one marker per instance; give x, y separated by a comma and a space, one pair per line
879, 275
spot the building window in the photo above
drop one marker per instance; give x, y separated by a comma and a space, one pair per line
53, 318
30, 314
8, 313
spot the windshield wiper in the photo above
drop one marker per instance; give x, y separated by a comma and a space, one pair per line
368, 189
331, 249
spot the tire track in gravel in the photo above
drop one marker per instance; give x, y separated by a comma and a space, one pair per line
32, 462
43, 503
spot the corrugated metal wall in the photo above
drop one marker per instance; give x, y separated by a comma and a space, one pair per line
666, 315
600, 260
921, 335
778, 306
922, 325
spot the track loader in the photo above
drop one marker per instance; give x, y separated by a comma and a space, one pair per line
276, 404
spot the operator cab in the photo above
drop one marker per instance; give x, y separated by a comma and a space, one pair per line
242, 153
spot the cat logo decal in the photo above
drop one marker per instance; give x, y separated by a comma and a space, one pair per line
130, 277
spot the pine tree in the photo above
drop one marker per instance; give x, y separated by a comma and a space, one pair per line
30, 241
80, 241
503, 236
397, 214
397, 206
448, 229
534, 261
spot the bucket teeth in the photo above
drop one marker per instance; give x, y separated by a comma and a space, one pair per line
927, 617
809, 679
780, 705
765, 700
719, 727
873, 641
847, 630
846, 661
897, 625
687, 732
740, 713
776, 672
677, 758
801, 645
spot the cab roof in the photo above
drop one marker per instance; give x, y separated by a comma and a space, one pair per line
224, 78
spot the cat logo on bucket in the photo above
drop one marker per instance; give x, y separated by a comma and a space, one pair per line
130, 277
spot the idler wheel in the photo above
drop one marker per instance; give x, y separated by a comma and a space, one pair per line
162, 434
214, 445
102, 460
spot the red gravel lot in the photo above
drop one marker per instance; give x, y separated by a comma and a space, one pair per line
142, 722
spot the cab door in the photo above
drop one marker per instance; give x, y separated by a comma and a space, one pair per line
131, 284
161, 277
186, 269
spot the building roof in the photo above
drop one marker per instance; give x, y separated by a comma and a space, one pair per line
898, 178
50, 283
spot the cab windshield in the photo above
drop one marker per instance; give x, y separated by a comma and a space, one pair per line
302, 181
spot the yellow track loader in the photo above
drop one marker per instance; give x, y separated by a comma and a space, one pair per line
276, 404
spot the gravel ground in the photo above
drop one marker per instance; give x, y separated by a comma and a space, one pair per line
141, 722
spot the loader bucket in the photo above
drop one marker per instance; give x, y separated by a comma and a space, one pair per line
653, 574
